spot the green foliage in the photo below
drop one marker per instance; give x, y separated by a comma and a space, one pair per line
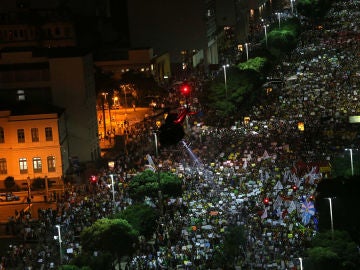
144, 184
144, 85
333, 251
257, 64
141, 217
87, 261
38, 183
9, 183
148, 184
170, 184
115, 236
226, 255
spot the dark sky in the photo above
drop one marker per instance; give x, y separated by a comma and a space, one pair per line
167, 25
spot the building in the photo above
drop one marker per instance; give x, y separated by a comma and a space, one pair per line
141, 60
62, 77
32, 142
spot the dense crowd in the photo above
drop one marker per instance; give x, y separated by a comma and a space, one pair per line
262, 173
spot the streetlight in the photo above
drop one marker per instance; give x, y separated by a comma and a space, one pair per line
224, 67
331, 217
111, 165
351, 159
58, 237
301, 265
292, 6
279, 17
265, 29
247, 50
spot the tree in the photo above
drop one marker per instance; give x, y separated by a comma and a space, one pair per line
228, 253
10, 182
87, 261
332, 251
141, 217
148, 183
115, 236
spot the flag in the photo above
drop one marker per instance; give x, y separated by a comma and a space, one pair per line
292, 207
307, 211
265, 155
151, 162
264, 214
278, 186
278, 202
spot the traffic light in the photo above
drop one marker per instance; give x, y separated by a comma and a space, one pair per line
185, 89
295, 188
93, 179
266, 200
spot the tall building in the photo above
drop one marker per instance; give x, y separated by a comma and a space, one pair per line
62, 77
32, 142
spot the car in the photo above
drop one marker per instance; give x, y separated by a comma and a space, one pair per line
7, 197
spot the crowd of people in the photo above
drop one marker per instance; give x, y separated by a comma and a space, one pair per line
261, 174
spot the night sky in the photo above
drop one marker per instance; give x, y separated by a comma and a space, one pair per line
167, 25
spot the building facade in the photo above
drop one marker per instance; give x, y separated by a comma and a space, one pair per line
31, 145
62, 77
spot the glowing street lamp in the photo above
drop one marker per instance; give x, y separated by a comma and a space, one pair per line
279, 17
111, 165
58, 237
301, 264
247, 50
224, 67
331, 217
265, 29
292, 6
351, 159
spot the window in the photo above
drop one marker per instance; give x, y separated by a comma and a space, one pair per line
37, 165
21, 135
34, 134
2, 135
20, 95
23, 165
48, 134
51, 163
3, 169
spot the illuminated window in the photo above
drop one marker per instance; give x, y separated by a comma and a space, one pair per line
3, 169
37, 165
35, 134
51, 163
20, 94
2, 135
23, 165
21, 135
48, 134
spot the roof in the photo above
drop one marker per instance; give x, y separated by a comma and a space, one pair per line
30, 108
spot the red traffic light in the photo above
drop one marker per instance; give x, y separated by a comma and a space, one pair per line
185, 89
93, 179
294, 188
266, 201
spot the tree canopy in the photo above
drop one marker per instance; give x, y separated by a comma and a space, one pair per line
141, 217
115, 236
148, 183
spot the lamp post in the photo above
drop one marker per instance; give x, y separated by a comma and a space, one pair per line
351, 159
265, 29
159, 192
111, 165
292, 6
60, 241
301, 264
224, 67
331, 217
247, 50
279, 18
